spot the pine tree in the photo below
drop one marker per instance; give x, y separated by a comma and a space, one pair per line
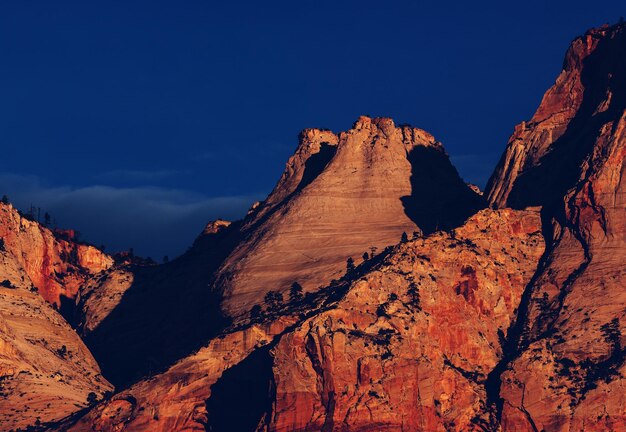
350, 265
274, 300
295, 292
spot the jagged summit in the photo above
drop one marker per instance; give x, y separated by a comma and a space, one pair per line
543, 156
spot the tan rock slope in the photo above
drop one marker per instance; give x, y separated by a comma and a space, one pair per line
340, 196
565, 365
55, 263
46, 372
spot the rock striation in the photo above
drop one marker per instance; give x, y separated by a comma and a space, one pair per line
46, 371
339, 197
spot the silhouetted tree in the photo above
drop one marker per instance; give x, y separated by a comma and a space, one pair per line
295, 292
46, 219
350, 265
404, 238
273, 300
255, 311
92, 398
366, 256
5, 199
612, 334
414, 297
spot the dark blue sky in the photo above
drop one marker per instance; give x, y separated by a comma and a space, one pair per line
137, 121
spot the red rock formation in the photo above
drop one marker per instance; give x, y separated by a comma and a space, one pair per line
409, 344
46, 372
565, 369
56, 264
338, 197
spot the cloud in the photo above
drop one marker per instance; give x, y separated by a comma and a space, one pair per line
155, 221
139, 175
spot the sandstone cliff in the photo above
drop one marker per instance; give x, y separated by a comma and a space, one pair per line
138, 319
56, 264
46, 372
565, 366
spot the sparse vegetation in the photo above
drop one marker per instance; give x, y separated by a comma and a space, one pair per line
62, 351
92, 398
350, 265
5, 199
7, 284
295, 292
414, 297
404, 238
273, 300
255, 312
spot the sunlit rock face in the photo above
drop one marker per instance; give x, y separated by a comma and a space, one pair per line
55, 263
46, 371
411, 344
566, 364
341, 195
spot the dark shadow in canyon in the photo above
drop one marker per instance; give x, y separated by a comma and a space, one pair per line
439, 199
242, 398
169, 311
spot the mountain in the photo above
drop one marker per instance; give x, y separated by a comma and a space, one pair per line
341, 195
566, 361
402, 337
506, 317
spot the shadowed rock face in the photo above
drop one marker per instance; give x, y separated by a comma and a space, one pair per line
137, 320
565, 362
340, 196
